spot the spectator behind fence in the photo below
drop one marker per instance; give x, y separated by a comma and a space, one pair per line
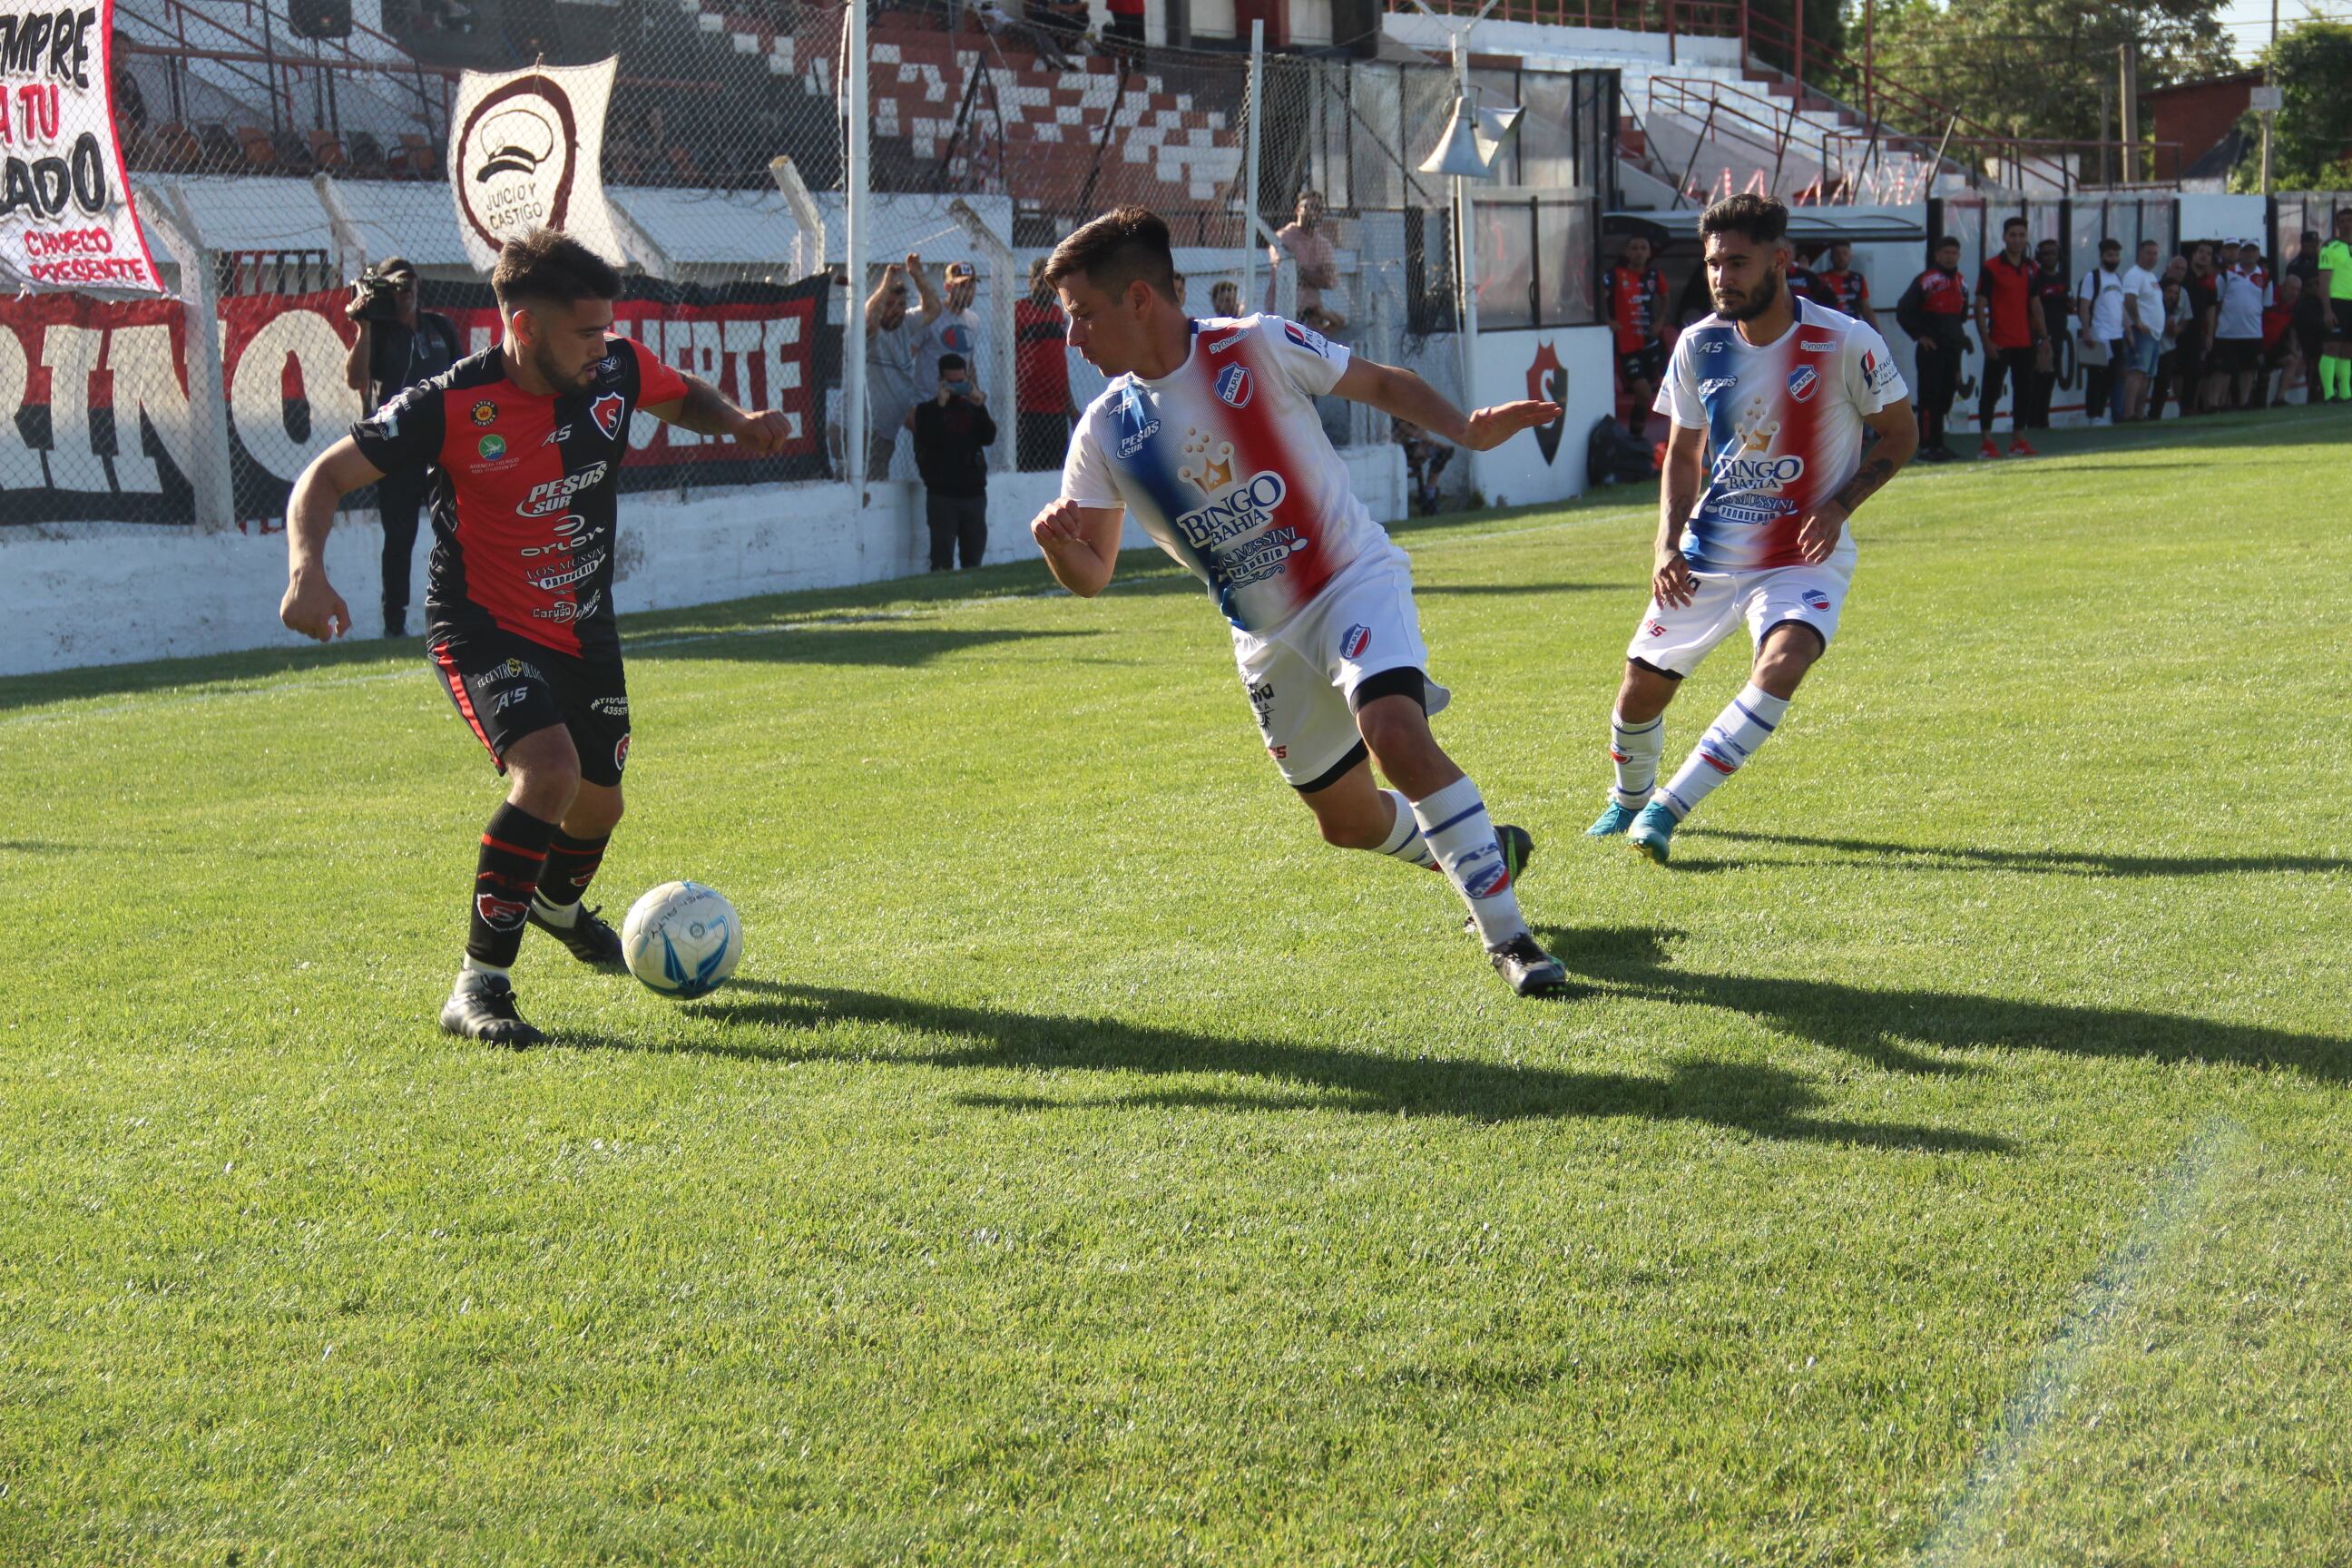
2197, 336
952, 431
2099, 300
2309, 328
2168, 359
2144, 330
2280, 357
891, 330
398, 346
1934, 310
1126, 31
951, 326
2243, 292
1310, 245
2009, 324
2053, 300
1041, 376
1225, 300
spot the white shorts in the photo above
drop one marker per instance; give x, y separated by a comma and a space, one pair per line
1302, 676
1675, 640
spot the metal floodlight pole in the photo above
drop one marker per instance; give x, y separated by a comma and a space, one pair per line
1256, 112
853, 326
1466, 264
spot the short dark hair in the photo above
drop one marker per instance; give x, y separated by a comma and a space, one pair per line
1944, 240
951, 362
550, 267
2010, 222
1760, 218
1116, 248
2111, 243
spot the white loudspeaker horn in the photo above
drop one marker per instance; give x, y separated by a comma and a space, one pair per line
1474, 139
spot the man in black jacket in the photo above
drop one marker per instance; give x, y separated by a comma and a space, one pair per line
952, 428
1935, 311
398, 346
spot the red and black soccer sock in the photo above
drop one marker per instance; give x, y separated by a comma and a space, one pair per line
513, 857
571, 866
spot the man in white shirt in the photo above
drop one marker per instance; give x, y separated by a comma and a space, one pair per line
2241, 291
2144, 323
2099, 300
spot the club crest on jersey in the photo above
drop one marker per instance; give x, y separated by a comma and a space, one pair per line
1235, 385
1357, 639
1803, 382
1816, 598
608, 411
486, 412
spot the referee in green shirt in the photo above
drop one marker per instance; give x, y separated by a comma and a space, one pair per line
2336, 277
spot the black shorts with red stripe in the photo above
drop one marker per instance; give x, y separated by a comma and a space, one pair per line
508, 686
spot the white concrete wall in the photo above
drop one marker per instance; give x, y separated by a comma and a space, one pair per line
111, 595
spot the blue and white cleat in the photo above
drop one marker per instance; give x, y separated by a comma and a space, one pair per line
1652, 831
1613, 820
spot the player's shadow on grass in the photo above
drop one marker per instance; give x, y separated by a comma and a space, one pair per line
2051, 862
1892, 1028
787, 1023
893, 645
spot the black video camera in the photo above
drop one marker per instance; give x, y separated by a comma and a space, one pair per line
375, 297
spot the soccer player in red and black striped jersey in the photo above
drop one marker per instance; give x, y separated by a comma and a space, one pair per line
526, 441
1634, 303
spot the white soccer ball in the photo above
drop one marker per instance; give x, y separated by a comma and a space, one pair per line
682, 939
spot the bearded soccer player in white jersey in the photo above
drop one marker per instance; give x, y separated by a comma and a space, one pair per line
1769, 397
1208, 433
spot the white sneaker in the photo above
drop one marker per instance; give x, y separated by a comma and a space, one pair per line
2098, 422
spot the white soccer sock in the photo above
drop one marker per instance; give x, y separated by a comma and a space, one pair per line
554, 914
1635, 749
1728, 743
473, 965
1404, 840
1454, 824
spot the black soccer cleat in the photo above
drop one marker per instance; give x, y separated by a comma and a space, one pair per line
591, 941
482, 1007
1527, 969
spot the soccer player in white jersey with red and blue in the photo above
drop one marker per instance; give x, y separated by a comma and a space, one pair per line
1769, 397
1208, 434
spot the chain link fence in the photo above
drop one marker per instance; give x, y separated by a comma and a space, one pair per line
272, 166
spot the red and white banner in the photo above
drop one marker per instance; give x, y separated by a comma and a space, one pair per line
95, 421
66, 221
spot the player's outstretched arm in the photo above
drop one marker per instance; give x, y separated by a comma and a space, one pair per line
1404, 396
1081, 544
1898, 439
706, 411
311, 605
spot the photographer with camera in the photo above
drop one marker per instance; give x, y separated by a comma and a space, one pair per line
952, 428
398, 346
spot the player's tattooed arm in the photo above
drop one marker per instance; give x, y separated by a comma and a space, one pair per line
706, 411
1899, 437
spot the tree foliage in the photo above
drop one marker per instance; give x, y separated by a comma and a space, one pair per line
2035, 68
2311, 145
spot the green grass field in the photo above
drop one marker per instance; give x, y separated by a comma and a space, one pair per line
1947, 1161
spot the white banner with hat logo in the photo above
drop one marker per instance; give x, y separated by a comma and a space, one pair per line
527, 149
66, 221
